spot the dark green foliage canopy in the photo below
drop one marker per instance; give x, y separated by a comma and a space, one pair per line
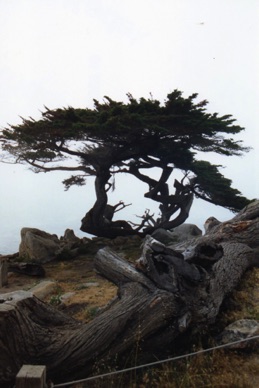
133, 137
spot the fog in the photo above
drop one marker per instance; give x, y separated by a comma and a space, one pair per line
63, 53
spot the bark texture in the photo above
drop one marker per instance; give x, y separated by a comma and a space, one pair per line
166, 292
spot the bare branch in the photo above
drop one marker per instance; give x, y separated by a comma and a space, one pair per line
120, 205
147, 220
42, 168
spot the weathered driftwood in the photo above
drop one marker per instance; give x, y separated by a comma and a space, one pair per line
169, 290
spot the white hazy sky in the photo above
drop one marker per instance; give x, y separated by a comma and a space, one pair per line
67, 52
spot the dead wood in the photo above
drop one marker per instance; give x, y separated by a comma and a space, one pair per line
169, 290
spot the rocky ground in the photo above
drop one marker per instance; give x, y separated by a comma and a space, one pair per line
73, 285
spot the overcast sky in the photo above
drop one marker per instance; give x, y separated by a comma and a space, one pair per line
63, 52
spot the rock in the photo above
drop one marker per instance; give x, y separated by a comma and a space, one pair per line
179, 234
69, 236
164, 236
66, 296
241, 330
43, 289
38, 246
185, 232
91, 284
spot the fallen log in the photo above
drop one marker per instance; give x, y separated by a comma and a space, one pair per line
23, 268
169, 290
29, 269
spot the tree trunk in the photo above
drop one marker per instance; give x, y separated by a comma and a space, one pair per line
164, 294
98, 220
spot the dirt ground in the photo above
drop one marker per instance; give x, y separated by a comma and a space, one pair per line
79, 290
87, 290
